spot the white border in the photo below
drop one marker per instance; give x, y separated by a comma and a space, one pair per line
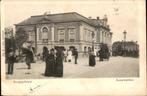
85, 86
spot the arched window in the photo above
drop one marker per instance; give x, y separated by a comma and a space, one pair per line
45, 33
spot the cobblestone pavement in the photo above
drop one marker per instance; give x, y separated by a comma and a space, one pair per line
115, 67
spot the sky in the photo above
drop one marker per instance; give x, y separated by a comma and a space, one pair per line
122, 15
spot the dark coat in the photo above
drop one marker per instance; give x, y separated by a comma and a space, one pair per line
92, 61
76, 54
11, 58
50, 64
29, 56
45, 55
59, 64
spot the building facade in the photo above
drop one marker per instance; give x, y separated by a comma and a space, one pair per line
66, 30
125, 48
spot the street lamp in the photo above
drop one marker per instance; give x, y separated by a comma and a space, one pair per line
93, 34
124, 35
124, 42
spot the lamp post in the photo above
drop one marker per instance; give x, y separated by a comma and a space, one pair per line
125, 33
93, 34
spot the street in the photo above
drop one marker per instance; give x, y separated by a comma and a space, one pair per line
115, 67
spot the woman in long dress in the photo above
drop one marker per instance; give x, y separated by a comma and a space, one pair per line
92, 61
50, 62
45, 53
59, 63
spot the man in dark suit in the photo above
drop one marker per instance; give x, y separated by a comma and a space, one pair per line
29, 57
76, 55
11, 60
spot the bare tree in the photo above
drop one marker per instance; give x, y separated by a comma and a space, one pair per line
21, 36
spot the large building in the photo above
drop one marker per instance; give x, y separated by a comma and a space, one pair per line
66, 30
125, 48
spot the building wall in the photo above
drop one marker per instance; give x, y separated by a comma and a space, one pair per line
66, 26
83, 36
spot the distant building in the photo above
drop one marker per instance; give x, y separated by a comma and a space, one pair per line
66, 30
128, 48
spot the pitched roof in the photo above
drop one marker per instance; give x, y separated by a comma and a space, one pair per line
61, 17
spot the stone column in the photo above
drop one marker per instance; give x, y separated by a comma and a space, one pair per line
37, 38
102, 37
81, 31
106, 38
111, 37
52, 36
66, 34
37, 29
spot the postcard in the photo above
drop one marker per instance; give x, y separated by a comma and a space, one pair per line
86, 47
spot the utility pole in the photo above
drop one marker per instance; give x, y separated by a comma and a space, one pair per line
124, 51
125, 33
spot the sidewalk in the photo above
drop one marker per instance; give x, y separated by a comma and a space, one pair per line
115, 67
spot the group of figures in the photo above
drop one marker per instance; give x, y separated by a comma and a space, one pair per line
54, 62
54, 58
104, 52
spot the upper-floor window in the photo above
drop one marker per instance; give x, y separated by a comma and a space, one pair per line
72, 33
61, 35
45, 33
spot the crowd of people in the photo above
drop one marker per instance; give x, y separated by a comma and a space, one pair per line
53, 58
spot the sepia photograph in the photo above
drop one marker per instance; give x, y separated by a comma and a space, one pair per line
61, 40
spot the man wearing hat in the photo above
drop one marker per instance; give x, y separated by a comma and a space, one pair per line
76, 55
11, 60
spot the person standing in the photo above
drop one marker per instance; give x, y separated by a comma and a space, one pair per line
50, 61
27, 49
29, 57
69, 55
59, 63
11, 60
92, 61
45, 53
65, 55
101, 54
76, 55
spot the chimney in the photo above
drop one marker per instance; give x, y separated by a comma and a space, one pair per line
47, 13
97, 18
90, 17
